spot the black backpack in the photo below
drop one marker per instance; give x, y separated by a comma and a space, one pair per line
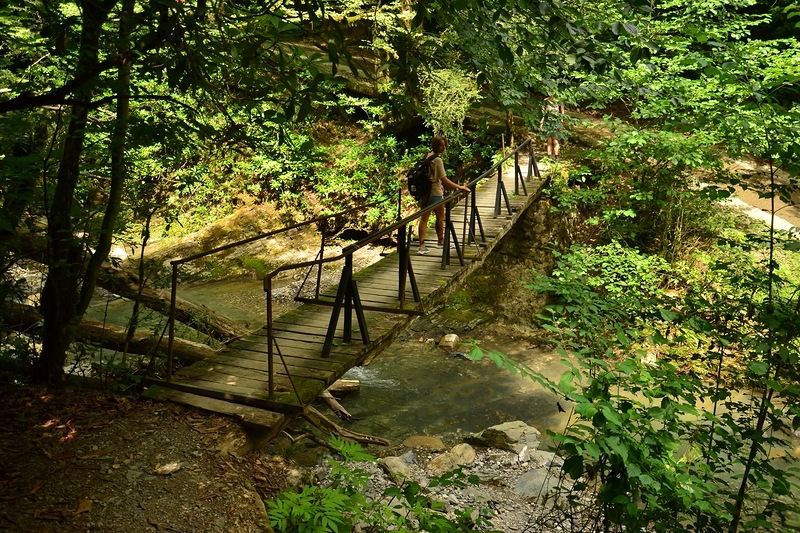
419, 184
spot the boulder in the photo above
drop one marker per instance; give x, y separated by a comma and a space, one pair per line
538, 483
461, 454
517, 437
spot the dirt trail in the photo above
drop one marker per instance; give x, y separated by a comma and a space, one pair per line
759, 181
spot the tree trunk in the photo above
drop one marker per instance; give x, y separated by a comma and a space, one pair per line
118, 170
198, 316
60, 295
335, 406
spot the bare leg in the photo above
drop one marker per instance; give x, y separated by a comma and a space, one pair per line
422, 229
439, 213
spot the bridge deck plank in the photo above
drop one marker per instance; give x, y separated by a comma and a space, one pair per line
240, 372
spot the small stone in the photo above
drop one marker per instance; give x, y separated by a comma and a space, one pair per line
169, 468
449, 341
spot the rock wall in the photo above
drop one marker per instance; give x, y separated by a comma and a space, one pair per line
499, 285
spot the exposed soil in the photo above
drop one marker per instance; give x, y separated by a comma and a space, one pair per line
77, 460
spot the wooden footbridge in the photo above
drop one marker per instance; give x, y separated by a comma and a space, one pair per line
269, 376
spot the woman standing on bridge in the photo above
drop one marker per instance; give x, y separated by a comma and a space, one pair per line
552, 125
439, 181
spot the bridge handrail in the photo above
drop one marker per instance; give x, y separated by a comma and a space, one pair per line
175, 263
270, 234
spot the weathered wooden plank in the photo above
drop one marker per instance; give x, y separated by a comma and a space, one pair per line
341, 353
259, 368
250, 416
240, 373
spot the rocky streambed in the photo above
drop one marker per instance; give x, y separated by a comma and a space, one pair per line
506, 479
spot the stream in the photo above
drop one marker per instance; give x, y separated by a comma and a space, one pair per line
416, 388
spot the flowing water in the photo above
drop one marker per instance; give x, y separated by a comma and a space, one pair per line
415, 388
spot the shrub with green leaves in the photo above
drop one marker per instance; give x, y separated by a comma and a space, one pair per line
651, 189
600, 294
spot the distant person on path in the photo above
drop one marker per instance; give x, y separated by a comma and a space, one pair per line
439, 181
552, 125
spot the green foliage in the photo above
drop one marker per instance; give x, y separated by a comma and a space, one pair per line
643, 188
600, 295
612, 270
447, 95
653, 447
355, 173
344, 505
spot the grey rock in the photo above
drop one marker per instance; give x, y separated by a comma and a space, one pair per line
512, 436
537, 483
548, 459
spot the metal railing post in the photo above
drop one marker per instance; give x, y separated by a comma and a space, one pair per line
475, 218
402, 254
532, 166
499, 190
270, 337
518, 179
173, 298
446, 244
321, 256
348, 300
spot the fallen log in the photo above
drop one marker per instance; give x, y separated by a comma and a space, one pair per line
25, 317
345, 385
335, 406
319, 420
198, 316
